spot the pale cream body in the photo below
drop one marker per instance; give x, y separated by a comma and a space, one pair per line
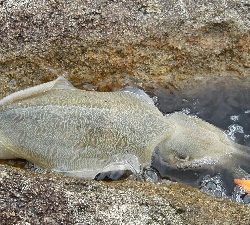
196, 145
82, 133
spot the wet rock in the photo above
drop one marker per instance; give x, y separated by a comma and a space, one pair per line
246, 199
34, 198
213, 186
151, 175
239, 194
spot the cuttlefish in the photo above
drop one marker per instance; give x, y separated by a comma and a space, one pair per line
84, 133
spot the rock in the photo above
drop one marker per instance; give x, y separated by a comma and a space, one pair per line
29, 198
107, 44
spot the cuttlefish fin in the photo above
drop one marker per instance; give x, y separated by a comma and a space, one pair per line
139, 93
5, 154
59, 83
123, 162
245, 184
62, 83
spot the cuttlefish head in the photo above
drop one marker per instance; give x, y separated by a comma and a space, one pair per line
184, 163
190, 164
193, 142
182, 152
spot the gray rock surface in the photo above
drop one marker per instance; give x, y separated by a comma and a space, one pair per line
28, 198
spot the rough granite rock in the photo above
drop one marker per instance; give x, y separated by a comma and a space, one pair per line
28, 198
106, 44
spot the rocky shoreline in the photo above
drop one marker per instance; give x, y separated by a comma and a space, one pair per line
106, 44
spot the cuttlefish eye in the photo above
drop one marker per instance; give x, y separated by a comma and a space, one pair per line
182, 156
179, 157
171, 156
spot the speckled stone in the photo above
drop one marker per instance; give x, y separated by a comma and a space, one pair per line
28, 198
106, 44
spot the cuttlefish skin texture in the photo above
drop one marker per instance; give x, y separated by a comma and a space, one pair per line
194, 142
82, 133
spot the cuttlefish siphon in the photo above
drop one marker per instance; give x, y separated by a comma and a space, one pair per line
84, 133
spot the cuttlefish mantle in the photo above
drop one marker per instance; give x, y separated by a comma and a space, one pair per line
81, 133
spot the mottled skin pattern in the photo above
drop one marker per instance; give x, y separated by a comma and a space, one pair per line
82, 133
204, 143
